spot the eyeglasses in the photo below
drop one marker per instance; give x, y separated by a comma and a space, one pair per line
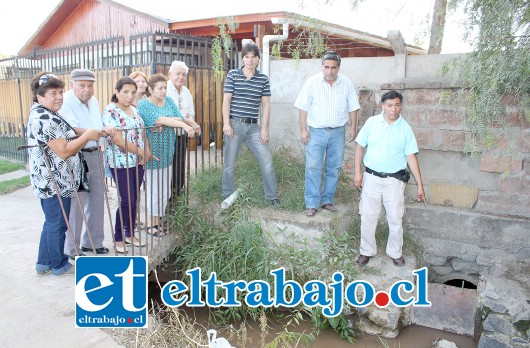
331, 56
45, 78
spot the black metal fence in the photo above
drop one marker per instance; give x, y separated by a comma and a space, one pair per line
111, 59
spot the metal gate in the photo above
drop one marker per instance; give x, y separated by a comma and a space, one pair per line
111, 59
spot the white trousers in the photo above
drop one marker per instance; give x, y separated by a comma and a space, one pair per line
392, 192
158, 189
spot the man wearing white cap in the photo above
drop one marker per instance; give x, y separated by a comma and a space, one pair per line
81, 110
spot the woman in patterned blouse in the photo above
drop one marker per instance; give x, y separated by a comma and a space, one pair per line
126, 157
159, 110
55, 169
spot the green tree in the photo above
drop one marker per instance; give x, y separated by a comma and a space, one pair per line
497, 69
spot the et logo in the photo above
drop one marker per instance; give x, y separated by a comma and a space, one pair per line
111, 291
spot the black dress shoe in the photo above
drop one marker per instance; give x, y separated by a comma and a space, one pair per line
400, 261
363, 260
99, 251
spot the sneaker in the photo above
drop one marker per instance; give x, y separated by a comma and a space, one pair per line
275, 203
70, 272
43, 273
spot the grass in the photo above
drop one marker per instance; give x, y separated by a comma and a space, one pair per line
8, 166
13, 185
234, 246
290, 177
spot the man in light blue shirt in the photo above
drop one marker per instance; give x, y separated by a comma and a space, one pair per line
326, 102
385, 144
81, 110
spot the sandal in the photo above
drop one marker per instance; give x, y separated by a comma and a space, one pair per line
155, 232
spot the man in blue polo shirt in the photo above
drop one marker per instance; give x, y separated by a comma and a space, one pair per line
244, 90
387, 143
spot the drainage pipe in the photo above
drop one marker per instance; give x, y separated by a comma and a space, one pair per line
230, 199
268, 38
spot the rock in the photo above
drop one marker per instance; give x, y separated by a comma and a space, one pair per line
512, 301
434, 260
385, 317
370, 328
523, 254
489, 340
441, 270
498, 323
441, 343
469, 267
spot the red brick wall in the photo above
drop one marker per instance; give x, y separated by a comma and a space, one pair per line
439, 125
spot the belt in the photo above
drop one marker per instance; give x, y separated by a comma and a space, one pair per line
245, 119
386, 175
90, 149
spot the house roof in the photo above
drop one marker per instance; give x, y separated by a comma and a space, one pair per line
201, 20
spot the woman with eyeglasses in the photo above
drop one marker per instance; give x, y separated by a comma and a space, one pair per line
55, 169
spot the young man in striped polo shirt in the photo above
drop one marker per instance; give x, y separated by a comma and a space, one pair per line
326, 102
244, 90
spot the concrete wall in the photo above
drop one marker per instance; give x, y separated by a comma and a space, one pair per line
501, 183
477, 221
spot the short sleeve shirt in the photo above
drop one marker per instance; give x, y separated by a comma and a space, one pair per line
246, 94
326, 105
162, 143
116, 117
43, 126
387, 145
79, 115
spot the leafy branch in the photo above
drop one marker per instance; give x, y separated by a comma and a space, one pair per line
497, 70
223, 42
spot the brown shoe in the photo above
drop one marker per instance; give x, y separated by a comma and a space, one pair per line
329, 207
310, 212
363, 260
399, 261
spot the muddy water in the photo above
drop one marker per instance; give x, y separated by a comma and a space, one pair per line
410, 337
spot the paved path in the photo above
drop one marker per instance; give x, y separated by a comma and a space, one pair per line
35, 311
14, 175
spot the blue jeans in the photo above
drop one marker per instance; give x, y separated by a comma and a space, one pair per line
328, 142
51, 246
249, 134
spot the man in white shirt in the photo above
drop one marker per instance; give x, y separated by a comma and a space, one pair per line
326, 102
81, 110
